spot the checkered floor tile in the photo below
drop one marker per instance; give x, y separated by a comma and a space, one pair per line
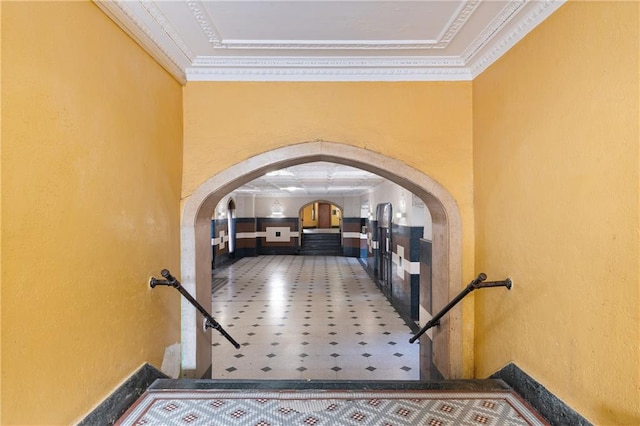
308, 317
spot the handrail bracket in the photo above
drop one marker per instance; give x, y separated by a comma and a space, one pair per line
210, 322
473, 285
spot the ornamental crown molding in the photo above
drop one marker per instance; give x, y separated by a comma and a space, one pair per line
328, 69
236, 60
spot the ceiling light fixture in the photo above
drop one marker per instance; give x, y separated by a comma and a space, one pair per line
282, 172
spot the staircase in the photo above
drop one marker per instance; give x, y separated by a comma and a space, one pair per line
321, 244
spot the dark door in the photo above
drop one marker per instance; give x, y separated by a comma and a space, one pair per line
384, 216
324, 215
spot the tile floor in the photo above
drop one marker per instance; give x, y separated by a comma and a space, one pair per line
400, 408
307, 317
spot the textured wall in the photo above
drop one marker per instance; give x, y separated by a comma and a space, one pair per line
556, 158
91, 172
426, 125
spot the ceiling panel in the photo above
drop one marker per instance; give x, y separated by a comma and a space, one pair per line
327, 40
315, 179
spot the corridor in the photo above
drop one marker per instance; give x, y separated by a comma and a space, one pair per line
307, 317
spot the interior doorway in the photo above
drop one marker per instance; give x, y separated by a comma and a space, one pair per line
321, 224
384, 216
447, 242
320, 214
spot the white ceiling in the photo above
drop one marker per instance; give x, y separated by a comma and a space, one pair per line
327, 40
317, 179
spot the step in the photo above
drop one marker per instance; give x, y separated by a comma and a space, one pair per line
321, 245
321, 253
479, 385
285, 402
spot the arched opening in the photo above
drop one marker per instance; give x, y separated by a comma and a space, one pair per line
321, 228
447, 242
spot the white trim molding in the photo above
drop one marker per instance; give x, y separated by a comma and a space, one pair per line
226, 61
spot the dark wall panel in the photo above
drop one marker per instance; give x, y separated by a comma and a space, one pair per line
277, 235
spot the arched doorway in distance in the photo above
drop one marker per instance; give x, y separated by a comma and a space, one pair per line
321, 225
447, 240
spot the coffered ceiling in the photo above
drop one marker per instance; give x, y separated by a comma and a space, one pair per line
327, 40
317, 179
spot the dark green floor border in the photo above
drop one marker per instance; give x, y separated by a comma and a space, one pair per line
547, 404
485, 385
122, 398
148, 377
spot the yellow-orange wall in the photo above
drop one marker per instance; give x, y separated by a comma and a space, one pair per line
556, 163
308, 219
547, 138
335, 218
91, 177
427, 125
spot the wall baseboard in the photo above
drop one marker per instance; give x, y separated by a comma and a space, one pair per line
110, 410
539, 397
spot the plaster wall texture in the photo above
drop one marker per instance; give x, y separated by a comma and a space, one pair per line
412, 215
290, 205
91, 176
556, 163
425, 125
351, 206
245, 204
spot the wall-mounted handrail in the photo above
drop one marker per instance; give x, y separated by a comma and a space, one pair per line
170, 280
473, 285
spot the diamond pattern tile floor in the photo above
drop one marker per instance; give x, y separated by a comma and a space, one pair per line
308, 317
400, 408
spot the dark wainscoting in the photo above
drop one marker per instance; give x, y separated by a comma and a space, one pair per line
406, 290
539, 397
220, 251
110, 410
246, 247
352, 246
291, 246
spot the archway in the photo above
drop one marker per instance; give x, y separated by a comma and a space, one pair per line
312, 216
320, 224
447, 241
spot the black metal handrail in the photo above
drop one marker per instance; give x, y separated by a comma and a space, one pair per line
170, 280
473, 285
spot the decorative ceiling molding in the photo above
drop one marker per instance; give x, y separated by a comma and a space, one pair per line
328, 74
218, 42
328, 69
329, 61
122, 15
169, 42
496, 24
205, 22
329, 44
171, 32
499, 47
464, 13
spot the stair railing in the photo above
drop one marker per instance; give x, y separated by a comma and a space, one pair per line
473, 285
170, 280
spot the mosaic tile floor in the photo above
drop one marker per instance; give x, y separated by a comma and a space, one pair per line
308, 317
244, 408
